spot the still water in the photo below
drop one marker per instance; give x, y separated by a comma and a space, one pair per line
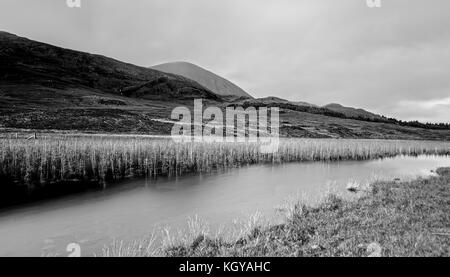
133, 209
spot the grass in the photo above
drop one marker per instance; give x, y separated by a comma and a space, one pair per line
27, 166
108, 158
392, 219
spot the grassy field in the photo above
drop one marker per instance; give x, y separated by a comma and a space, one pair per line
55, 161
388, 219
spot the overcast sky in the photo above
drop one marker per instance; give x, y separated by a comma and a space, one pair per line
393, 60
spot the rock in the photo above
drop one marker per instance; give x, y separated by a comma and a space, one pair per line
352, 186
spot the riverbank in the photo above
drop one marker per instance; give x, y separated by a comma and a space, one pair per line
49, 166
390, 219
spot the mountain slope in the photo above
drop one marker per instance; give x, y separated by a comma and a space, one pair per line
44, 87
353, 112
28, 62
48, 87
272, 100
204, 77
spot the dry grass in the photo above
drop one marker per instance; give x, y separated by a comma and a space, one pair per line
36, 163
393, 219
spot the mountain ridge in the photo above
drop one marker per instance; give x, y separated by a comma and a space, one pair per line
353, 112
45, 87
206, 78
30, 62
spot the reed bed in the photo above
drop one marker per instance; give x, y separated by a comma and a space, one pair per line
34, 163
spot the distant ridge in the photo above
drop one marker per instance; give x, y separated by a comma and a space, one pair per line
45, 87
352, 112
273, 100
206, 78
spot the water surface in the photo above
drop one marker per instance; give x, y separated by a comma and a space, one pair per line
135, 208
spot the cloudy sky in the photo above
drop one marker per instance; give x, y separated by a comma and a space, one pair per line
393, 60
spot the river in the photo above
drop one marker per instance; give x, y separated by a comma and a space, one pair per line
135, 208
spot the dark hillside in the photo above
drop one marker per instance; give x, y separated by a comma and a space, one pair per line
25, 62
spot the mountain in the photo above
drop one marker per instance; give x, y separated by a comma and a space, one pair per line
204, 77
353, 112
268, 100
28, 62
273, 101
48, 87
44, 87
301, 103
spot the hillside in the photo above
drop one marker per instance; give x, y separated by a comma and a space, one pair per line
204, 77
271, 100
353, 112
28, 62
300, 120
44, 87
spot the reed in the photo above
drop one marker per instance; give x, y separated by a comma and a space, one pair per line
101, 159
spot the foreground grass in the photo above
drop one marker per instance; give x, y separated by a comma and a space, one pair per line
391, 219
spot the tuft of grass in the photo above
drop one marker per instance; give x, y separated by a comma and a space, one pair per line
392, 219
137, 248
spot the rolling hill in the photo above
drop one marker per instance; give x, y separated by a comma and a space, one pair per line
47, 87
204, 77
353, 112
28, 62
272, 100
44, 87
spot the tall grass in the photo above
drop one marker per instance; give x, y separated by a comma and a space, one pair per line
101, 159
392, 219
399, 218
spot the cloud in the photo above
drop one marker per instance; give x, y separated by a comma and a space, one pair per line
434, 110
428, 105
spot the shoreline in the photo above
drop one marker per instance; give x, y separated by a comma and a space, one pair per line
30, 169
394, 219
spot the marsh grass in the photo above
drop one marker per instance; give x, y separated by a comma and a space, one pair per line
396, 219
100, 159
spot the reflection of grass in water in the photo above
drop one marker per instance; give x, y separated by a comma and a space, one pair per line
38, 163
392, 219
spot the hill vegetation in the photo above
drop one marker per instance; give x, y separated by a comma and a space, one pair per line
44, 87
27, 62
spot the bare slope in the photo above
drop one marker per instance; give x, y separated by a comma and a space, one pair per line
204, 77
